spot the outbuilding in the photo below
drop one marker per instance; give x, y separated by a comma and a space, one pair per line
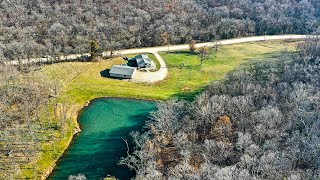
141, 61
125, 72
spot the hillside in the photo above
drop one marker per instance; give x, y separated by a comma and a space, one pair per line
39, 104
261, 123
235, 102
44, 27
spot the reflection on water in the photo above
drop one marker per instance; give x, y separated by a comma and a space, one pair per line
96, 151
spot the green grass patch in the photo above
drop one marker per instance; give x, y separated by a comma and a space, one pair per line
83, 81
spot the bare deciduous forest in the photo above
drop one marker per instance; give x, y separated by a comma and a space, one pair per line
44, 27
30, 116
261, 123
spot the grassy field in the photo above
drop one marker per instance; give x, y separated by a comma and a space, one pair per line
82, 82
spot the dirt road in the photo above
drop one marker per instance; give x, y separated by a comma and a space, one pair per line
152, 77
210, 44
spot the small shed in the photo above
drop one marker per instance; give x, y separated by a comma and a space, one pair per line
126, 72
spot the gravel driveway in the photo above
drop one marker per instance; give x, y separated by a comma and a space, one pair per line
152, 77
161, 74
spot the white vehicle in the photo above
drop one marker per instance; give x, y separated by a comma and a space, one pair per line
46, 56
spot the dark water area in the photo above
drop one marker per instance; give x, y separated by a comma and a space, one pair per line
96, 151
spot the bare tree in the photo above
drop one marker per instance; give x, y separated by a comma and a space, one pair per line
192, 46
166, 39
203, 54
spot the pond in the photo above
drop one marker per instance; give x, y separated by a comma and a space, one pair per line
96, 151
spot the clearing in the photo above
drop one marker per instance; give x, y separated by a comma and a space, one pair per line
83, 82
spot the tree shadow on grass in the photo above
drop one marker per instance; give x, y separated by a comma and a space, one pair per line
189, 95
276, 55
188, 53
183, 66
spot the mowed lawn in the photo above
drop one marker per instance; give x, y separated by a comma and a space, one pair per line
83, 82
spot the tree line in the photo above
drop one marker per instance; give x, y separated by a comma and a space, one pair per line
262, 122
44, 27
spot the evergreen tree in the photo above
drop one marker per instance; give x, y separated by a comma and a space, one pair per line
94, 49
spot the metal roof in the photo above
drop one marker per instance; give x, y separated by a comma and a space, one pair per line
124, 70
142, 59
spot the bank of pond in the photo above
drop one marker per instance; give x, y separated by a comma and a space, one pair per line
96, 151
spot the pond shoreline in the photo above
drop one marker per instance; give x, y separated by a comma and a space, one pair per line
76, 131
50, 170
78, 128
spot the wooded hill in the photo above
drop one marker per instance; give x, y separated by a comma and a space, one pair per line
45, 27
263, 122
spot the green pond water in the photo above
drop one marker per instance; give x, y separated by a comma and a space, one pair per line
96, 151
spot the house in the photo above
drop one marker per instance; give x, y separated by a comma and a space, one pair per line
126, 72
140, 61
